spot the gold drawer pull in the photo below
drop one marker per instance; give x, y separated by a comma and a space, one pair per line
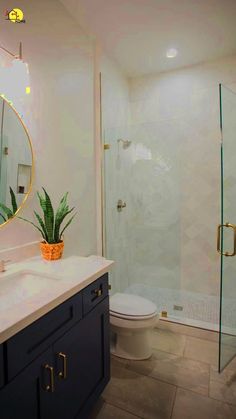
50, 387
63, 374
98, 292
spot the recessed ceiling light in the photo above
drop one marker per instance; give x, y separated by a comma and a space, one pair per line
171, 53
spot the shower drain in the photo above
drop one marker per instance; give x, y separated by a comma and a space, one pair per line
178, 308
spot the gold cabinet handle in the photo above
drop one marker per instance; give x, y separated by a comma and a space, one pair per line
50, 387
63, 374
219, 250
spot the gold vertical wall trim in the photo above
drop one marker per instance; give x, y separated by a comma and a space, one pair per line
20, 51
1, 141
102, 170
32, 167
97, 145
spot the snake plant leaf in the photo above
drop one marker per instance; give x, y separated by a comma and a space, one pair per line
63, 201
41, 199
67, 225
62, 208
48, 215
30, 222
7, 210
41, 224
60, 219
4, 219
13, 201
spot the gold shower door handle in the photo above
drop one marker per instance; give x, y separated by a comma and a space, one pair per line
219, 250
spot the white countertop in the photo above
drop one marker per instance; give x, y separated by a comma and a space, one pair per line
22, 302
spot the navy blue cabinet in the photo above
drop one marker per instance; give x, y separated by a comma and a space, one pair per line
1, 367
26, 345
81, 365
61, 369
20, 398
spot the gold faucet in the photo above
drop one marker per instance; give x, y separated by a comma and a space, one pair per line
120, 205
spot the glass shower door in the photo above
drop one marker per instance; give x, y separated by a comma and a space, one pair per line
227, 229
142, 169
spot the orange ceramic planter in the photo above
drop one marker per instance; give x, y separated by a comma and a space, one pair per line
52, 251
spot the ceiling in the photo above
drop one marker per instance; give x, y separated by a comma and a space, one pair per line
137, 33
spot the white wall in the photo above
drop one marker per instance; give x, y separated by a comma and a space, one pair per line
115, 95
59, 115
183, 108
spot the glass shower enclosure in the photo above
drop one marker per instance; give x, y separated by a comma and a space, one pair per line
227, 228
144, 222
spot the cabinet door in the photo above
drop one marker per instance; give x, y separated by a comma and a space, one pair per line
1, 367
81, 363
20, 398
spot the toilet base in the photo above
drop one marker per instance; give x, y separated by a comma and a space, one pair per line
136, 346
132, 343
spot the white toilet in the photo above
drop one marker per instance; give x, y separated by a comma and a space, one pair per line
132, 319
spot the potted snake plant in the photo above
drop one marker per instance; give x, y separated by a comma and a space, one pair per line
50, 225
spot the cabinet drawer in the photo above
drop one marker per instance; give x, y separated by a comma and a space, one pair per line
94, 293
1, 367
26, 345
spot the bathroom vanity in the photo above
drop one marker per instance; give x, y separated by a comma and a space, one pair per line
57, 364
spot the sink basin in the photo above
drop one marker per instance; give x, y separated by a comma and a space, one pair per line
18, 287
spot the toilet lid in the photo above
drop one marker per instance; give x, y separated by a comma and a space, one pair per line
131, 305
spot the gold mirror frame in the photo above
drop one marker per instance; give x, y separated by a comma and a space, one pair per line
9, 103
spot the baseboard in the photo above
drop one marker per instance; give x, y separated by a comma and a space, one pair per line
183, 329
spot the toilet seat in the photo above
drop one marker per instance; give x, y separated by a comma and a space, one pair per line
131, 307
125, 317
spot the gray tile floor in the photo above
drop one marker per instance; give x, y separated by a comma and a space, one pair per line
179, 381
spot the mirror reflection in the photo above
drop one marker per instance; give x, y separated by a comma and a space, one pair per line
16, 160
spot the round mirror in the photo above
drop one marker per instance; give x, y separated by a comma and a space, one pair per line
16, 162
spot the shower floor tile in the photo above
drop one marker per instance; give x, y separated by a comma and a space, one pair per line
196, 307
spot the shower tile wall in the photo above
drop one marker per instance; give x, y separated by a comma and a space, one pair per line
185, 107
170, 180
154, 204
